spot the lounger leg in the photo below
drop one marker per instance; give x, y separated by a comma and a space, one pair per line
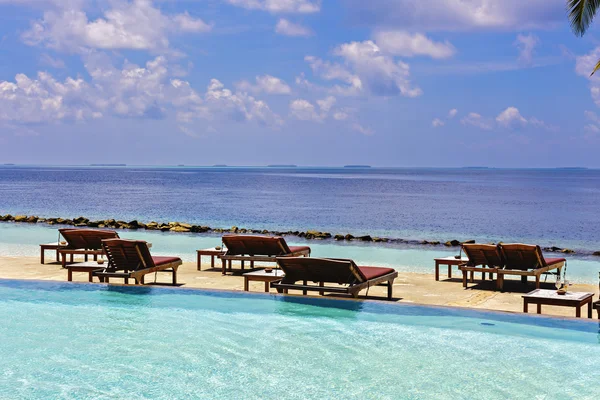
321, 293
223, 267
472, 276
304, 292
590, 309
449, 271
464, 279
95, 257
437, 271
537, 281
90, 278
64, 260
230, 263
251, 264
127, 281
72, 257
390, 289
539, 308
69, 275
142, 279
174, 277
41, 255
242, 265
199, 262
524, 279
499, 281
57, 256
212, 262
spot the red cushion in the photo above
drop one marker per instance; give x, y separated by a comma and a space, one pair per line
164, 260
375, 272
552, 261
295, 249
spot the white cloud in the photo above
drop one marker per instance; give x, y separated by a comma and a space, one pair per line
326, 103
436, 123
457, 15
131, 92
584, 65
53, 62
452, 113
510, 118
287, 28
304, 110
280, 6
340, 115
137, 25
365, 69
362, 129
477, 120
265, 84
402, 43
526, 45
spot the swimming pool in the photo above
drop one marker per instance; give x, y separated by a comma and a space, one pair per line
70, 340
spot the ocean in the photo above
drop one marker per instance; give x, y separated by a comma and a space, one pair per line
550, 207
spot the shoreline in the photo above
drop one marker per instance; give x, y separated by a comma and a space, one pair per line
410, 287
183, 227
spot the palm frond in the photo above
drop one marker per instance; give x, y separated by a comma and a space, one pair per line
596, 68
581, 14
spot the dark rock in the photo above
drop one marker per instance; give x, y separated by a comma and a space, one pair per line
434, 243
32, 219
234, 229
265, 232
567, 251
338, 237
472, 241
93, 224
179, 228
596, 253
348, 237
20, 218
243, 230
6, 217
80, 221
452, 243
365, 238
301, 234
153, 225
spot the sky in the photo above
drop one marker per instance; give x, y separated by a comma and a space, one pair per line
441, 83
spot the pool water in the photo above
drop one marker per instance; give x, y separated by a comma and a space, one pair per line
69, 340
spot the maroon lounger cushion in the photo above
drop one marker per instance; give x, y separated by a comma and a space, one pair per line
158, 260
375, 272
552, 261
295, 249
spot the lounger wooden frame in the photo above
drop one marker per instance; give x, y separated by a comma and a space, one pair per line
235, 253
355, 283
130, 259
86, 242
484, 258
530, 254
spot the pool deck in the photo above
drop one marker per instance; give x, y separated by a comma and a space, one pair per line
408, 288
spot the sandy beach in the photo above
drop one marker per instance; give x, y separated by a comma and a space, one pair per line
408, 288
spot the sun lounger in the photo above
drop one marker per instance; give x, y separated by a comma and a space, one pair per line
345, 274
484, 258
131, 259
526, 260
258, 248
84, 242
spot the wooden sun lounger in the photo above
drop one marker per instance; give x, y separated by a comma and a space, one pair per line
526, 260
258, 248
349, 278
484, 258
84, 242
131, 259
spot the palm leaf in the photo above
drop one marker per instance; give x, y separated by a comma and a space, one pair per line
596, 68
581, 14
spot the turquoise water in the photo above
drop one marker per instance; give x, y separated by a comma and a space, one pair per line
81, 341
24, 240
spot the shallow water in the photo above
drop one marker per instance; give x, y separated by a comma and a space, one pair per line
24, 239
93, 341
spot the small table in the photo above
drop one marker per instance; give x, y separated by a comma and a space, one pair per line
449, 261
50, 246
263, 276
551, 298
88, 266
212, 252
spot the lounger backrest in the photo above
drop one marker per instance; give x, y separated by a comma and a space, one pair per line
88, 239
255, 245
483, 254
522, 256
320, 270
127, 255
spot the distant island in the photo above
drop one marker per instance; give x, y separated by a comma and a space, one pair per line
476, 167
181, 165
573, 168
9, 164
108, 165
282, 166
357, 166
219, 165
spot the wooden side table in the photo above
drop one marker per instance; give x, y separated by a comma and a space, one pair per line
449, 261
89, 267
551, 298
262, 276
56, 246
212, 253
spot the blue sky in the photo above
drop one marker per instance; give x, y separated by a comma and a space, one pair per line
308, 82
